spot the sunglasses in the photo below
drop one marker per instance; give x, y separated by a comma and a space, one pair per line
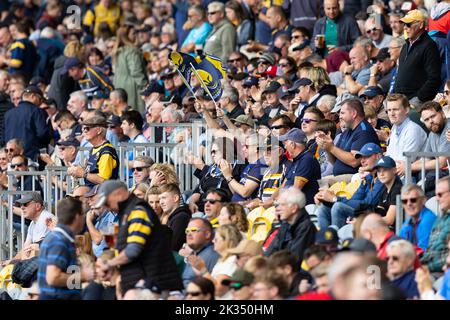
212, 13
10, 150
212, 201
13, 166
409, 24
25, 204
194, 293
393, 258
87, 128
139, 169
111, 126
236, 286
193, 229
283, 65
413, 200
371, 30
306, 120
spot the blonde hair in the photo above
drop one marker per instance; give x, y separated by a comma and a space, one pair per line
369, 111
237, 210
74, 49
319, 77
143, 187
168, 170
257, 265
122, 41
231, 236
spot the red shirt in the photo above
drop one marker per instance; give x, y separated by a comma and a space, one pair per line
314, 295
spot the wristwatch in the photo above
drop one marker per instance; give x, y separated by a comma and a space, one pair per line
348, 73
229, 180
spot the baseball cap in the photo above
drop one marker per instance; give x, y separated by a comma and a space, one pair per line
99, 94
327, 236
285, 94
397, 12
70, 63
266, 57
271, 71
383, 54
105, 189
299, 83
413, 15
358, 245
35, 81
95, 122
272, 87
154, 86
368, 149
114, 120
239, 76
32, 196
69, 142
385, 162
295, 134
250, 81
245, 119
33, 89
371, 92
272, 141
247, 246
238, 279
92, 192
167, 73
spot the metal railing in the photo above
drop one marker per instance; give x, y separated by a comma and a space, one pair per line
410, 158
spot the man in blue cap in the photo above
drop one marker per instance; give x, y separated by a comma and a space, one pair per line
305, 169
98, 100
335, 210
374, 96
89, 78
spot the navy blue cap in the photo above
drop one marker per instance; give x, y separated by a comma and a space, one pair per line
114, 120
272, 87
69, 142
250, 81
368, 149
385, 162
299, 83
87, 39
70, 63
361, 245
295, 134
99, 94
33, 89
285, 93
327, 236
35, 81
154, 86
371, 92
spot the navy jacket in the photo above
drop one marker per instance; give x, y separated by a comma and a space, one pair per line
28, 123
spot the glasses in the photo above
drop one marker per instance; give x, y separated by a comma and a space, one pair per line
139, 169
306, 120
393, 258
13, 166
111, 126
371, 30
277, 127
409, 24
194, 293
413, 200
87, 128
10, 150
193, 229
212, 201
212, 13
283, 65
237, 286
24, 205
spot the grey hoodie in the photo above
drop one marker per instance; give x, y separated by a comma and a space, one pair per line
438, 10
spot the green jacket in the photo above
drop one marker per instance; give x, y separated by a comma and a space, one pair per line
130, 74
221, 41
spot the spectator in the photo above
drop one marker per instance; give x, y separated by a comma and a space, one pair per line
105, 11
373, 96
357, 74
406, 136
200, 29
437, 250
57, 254
199, 235
401, 256
297, 231
305, 169
395, 23
425, 65
383, 72
374, 31
233, 213
270, 287
176, 216
129, 73
152, 198
417, 228
143, 243
141, 169
118, 99
240, 284
221, 41
200, 289
340, 30
139, 190
358, 133
77, 103
27, 122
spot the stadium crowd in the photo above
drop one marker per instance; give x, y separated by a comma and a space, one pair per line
312, 105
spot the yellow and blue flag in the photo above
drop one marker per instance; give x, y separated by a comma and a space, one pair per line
210, 70
183, 62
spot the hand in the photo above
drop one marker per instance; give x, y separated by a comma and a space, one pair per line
219, 112
423, 280
252, 46
331, 49
193, 207
400, 168
185, 251
46, 158
158, 179
325, 195
51, 223
5, 263
304, 286
447, 135
293, 105
226, 169
324, 141
90, 215
76, 171
374, 69
348, 69
382, 134
197, 264
87, 273
255, 93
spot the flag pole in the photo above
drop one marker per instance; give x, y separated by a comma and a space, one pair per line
186, 84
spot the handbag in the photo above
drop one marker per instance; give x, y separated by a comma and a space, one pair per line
25, 272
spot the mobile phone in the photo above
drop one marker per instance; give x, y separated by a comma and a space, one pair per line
42, 150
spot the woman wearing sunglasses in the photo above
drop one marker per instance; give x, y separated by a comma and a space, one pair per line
200, 289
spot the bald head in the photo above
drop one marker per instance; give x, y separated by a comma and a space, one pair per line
359, 57
331, 8
374, 223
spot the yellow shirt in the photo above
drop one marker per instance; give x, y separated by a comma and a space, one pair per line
101, 14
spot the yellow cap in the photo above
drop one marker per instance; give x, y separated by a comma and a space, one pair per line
413, 15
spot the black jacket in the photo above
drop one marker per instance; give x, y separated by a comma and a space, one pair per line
156, 262
178, 222
419, 71
61, 85
5, 105
295, 238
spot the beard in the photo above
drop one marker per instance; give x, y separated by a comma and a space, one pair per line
437, 128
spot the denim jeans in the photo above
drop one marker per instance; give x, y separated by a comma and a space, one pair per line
336, 215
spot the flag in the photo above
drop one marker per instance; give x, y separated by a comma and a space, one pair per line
210, 70
183, 62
